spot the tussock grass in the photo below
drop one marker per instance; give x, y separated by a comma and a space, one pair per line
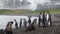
51, 10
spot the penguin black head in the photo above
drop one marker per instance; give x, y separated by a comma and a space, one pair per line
21, 19
10, 22
40, 13
29, 16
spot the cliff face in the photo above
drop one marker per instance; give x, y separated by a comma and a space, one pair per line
39, 6
52, 4
13, 3
29, 4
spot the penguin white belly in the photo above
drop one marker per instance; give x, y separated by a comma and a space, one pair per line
48, 20
41, 21
49, 23
47, 17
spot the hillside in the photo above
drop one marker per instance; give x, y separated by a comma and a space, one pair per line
51, 10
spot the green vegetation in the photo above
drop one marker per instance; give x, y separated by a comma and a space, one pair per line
51, 10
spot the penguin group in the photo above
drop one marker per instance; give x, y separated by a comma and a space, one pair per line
44, 20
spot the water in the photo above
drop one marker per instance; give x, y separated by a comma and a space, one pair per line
4, 19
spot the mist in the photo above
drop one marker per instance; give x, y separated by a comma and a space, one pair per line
28, 4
